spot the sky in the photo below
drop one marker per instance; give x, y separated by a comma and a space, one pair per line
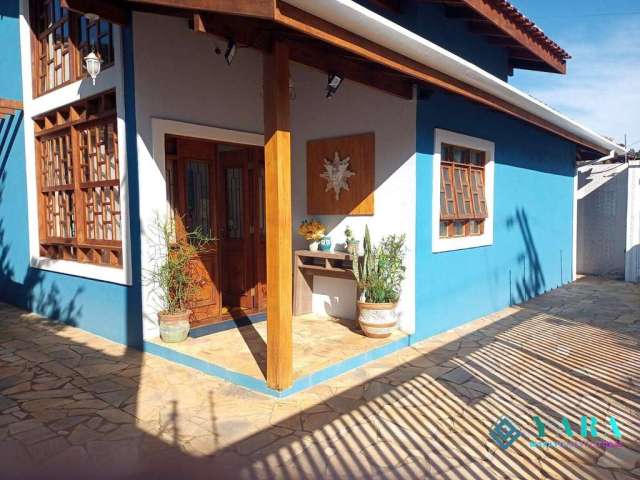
601, 89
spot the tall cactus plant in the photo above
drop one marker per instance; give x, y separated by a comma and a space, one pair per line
380, 270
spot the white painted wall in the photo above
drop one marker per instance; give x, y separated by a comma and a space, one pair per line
358, 109
632, 263
179, 78
602, 219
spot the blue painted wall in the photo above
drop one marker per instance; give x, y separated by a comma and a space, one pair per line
112, 311
532, 249
429, 21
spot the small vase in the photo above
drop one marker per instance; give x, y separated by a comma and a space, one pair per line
313, 246
325, 244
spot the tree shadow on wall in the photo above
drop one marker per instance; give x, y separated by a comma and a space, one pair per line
531, 282
30, 292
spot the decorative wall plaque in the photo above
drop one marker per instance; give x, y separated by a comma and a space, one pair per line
341, 175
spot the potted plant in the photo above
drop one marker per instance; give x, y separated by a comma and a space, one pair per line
313, 232
351, 243
173, 276
379, 273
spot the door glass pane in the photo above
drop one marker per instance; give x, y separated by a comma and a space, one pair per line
198, 197
233, 178
261, 212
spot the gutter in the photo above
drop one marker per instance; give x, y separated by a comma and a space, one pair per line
363, 22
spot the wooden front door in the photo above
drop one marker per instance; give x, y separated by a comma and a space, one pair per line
219, 189
241, 199
195, 180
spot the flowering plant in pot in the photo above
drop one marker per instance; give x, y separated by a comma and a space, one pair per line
312, 231
173, 276
379, 273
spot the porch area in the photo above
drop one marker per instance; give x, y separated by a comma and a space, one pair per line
323, 347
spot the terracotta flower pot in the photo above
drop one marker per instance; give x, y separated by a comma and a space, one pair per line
174, 327
377, 320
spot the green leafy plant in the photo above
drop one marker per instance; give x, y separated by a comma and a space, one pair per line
381, 270
173, 272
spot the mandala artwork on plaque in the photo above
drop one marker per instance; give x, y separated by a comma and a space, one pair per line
337, 174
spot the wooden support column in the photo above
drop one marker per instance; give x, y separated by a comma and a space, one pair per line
277, 153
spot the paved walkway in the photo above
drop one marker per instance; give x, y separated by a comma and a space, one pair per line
71, 402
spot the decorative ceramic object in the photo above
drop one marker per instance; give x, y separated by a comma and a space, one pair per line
325, 244
377, 320
313, 246
337, 174
174, 327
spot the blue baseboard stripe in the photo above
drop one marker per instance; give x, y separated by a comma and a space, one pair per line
259, 385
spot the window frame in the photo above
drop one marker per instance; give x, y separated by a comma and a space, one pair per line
461, 192
71, 120
485, 237
75, 45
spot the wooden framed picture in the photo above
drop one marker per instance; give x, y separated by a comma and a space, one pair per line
341, 175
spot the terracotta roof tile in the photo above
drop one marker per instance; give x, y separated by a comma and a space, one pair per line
530, 28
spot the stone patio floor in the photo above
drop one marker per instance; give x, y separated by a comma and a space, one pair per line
78, 406
318, 342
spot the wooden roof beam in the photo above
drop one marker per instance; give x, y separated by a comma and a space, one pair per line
460, 12
250, 8
343, 39
509, 27
113, 12
394, 6
8, 104
527, 64
305, 50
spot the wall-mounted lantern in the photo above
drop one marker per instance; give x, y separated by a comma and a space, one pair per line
92, 64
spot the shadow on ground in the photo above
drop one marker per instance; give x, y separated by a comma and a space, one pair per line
73, 404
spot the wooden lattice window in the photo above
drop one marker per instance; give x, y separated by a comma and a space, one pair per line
100, 183
61, 40
97, 36
57, 187
79, 182
463, 207
54, 64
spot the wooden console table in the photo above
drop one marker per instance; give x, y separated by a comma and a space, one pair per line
307, 265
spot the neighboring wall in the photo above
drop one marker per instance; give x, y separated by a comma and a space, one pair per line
533, 224
602, 219
107, 309
429, 21
632, 264
199, 88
